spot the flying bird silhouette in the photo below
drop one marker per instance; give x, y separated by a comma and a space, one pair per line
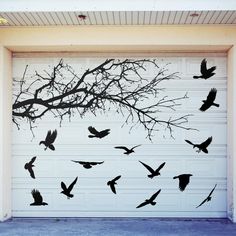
127, 150
49, 140
66, 190
112, 183
210, 100
150, 200
202, 146
29, 166
38, 199
88, 165
153, 172
98, 134
183, 181
205, 73
208, 198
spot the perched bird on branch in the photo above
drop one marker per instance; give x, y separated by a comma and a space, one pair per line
205, 73
88, 165
112, 183
98, 134
38, 199
66, 190
29, 166
127, 150
209, 101
49, 140
153, 172
183, 180
150, 200
208, 198
202, 146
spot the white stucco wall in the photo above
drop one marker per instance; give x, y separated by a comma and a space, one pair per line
112, 39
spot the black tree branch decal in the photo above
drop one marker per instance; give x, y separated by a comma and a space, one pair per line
114, 83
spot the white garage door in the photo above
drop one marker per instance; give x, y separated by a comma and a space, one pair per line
123, 95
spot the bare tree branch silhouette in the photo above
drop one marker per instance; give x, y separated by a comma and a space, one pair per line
120, 84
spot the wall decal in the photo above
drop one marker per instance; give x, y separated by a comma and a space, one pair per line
114, 84
183, 180
153, 172
209, 101
38, 199
66, 190
98, 134
205, 73
29, 166
88, 165
127, 150
208, 198
150, 200
202, 146
112, 183
49, 140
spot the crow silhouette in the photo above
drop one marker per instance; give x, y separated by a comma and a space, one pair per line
98, 134
127, 150
112, 183
49, 140
205, 73
153, 172
29, 166
38, 199
183, 181
150, 200
209, 101
202, 146
208, 198
88, 165
66, 190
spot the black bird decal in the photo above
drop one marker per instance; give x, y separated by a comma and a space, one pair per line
210, 100
205, 73
127, 150
88, 165
150, 200
38, 199
112, 183
202, 146
29, 166
66, 190
208, 198
98, 134
153, 172
183, 181
49, 140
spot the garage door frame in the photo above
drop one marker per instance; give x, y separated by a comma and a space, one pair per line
183, 39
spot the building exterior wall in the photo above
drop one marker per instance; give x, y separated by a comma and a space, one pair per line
112, 39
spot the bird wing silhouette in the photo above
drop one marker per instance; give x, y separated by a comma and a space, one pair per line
72, 184
152, 198
32, 160
210, 70
203, 66
116, 178
136, 146
202, 202
212, 95
207, 142
122, 147
205, 106
75, 161
47, 139
148, 167
142, 204
63, 186
189, 142
183, 182
92, 130
212, 191
112, 186
31, 172
96, 163
37, 196
53, 136
160, 167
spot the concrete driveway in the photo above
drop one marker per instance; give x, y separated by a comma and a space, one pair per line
116, 226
